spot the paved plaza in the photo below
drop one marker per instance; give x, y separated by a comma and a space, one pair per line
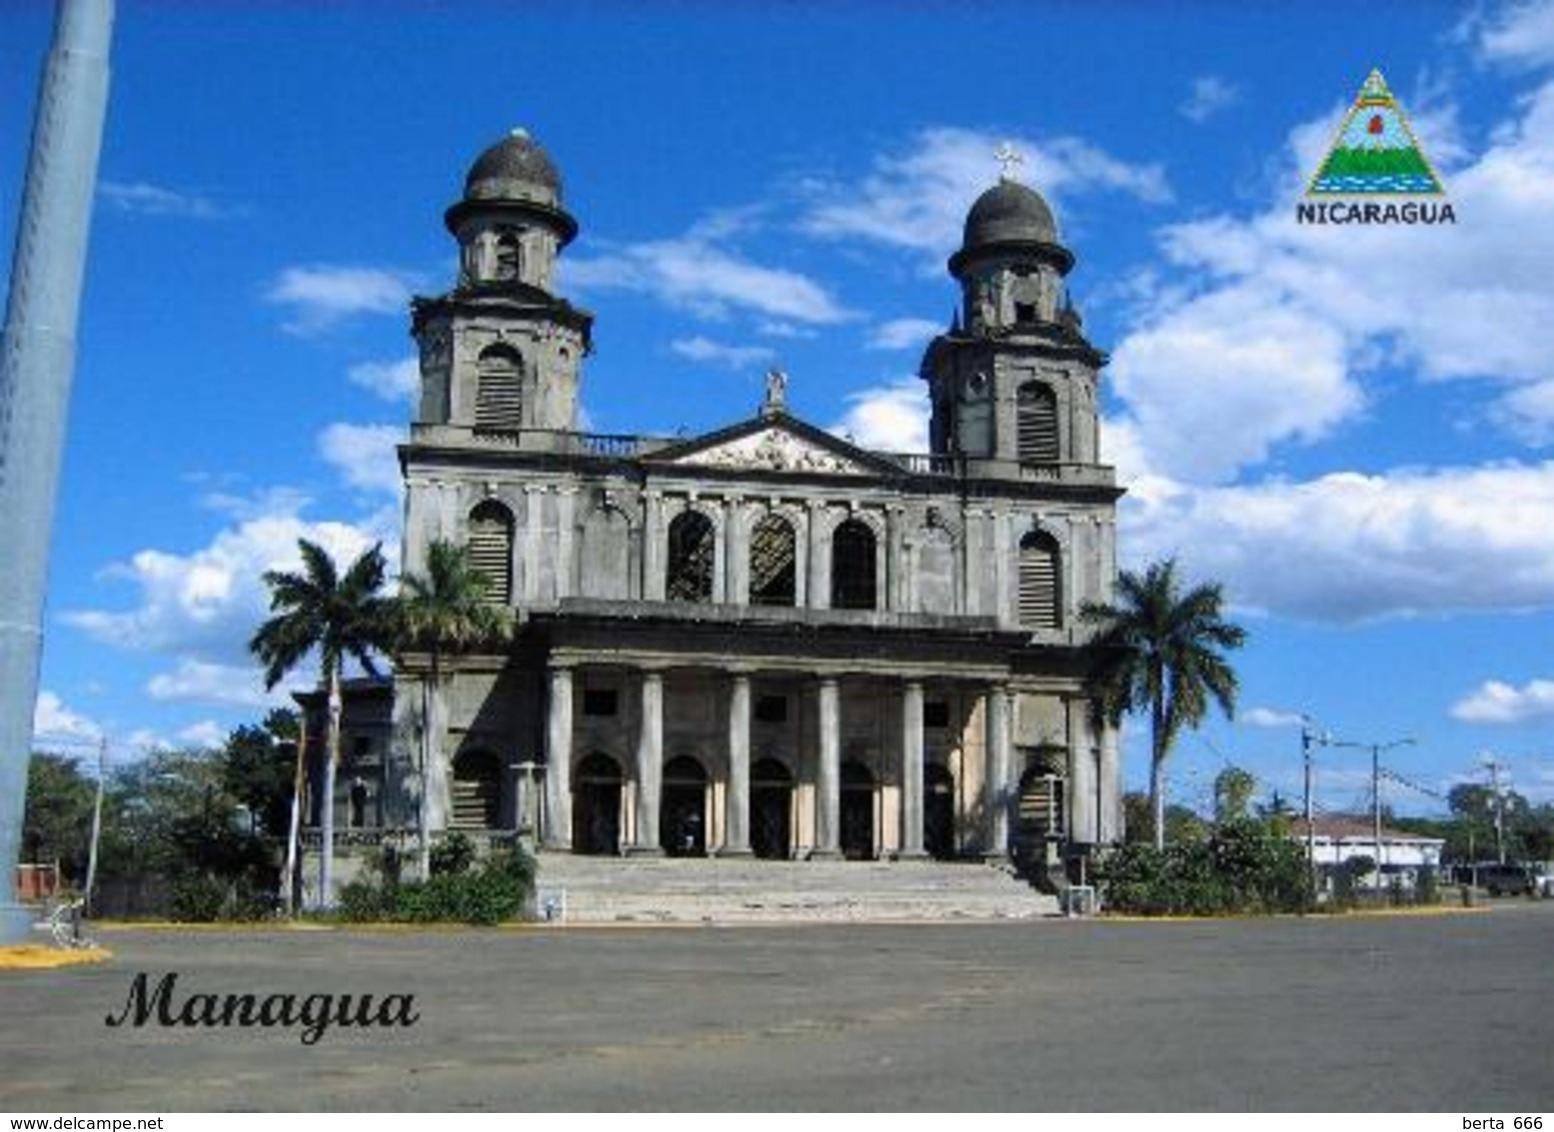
1450, 1013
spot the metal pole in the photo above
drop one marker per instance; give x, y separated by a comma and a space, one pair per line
37, 362
97, 827
1376, 805
1494, 786
1311, 826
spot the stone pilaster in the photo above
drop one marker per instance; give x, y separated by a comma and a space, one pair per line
558, 760
736, 817
652, 546
828, 774
650, 764
819, 560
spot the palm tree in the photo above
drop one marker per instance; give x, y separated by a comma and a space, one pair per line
1158, 649
448, 608
338, 616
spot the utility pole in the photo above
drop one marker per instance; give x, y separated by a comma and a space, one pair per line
1494, 767
1307, 738
97, 827
37, 363
1375, 750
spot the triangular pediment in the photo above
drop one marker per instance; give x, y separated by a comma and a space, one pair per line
776, 444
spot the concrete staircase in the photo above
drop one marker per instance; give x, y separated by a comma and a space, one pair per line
614, 890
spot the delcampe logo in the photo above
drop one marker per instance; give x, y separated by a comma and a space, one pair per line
1375, 172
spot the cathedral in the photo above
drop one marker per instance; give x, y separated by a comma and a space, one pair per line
762, 641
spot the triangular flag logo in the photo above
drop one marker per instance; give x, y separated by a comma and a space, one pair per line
1375, 152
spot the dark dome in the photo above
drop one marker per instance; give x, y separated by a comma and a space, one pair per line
1010, 212
515, 168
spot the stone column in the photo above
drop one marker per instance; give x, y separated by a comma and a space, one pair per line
652, 546
736, 801
558, 760
1110, 786
996, 783
650, 764
1083, 755
912, 770
828, 775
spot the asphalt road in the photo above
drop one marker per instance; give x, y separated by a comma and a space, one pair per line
1447, 1013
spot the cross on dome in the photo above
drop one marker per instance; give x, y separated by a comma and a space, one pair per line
1008, 157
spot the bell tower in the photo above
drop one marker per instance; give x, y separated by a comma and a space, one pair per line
501, 353
1013, 383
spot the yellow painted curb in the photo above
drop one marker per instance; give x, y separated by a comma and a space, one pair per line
38, 958
1312, 917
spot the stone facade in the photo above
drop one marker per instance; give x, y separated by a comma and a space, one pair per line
763, 640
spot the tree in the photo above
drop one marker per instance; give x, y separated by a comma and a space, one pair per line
1159, 650
256, 771
339, 617
1233, 789
446, 609
58, 819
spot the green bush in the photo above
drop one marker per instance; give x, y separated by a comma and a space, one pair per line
1243, 867
361, 901
487, 892
452, 856
197, 900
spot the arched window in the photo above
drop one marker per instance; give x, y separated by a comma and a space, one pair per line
477, 790
1040, 577
853, 566
491, 549
773, 573
507, 256
499, 391
692, 543
1036, 424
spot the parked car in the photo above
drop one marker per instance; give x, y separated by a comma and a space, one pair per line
1512, 880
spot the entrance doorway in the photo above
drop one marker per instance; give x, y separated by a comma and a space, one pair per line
682, 823
939, 811
596, 806
771, 810
477, 790
857, 832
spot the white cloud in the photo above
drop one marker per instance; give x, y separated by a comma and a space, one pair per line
1350, 547
1232, 355
1210, 95
1497, 702
703, 349
321, 295
205, 605
903, 333
54, 725
228, 685
888, 418
144, 199
366, 456
1269, 717
203, 735
1520, 33
699, 271
916, 201
392, 381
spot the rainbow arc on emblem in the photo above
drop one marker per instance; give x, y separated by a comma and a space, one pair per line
1375, 152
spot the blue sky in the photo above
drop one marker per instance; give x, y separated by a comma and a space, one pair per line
1350, 428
